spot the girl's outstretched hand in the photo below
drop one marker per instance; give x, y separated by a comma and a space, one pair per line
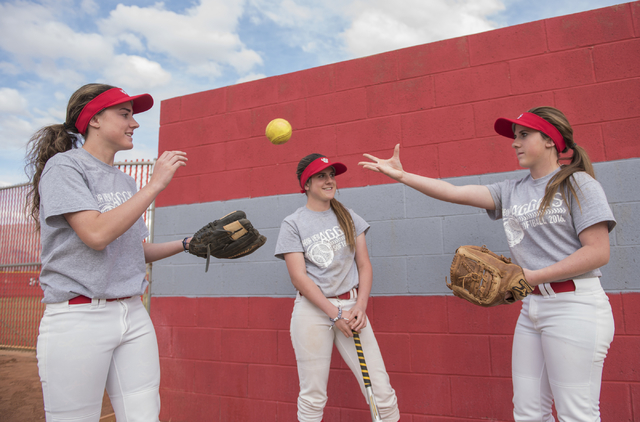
166, 166
392, 167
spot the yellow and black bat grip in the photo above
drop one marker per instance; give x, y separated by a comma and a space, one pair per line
373, 406
363, 364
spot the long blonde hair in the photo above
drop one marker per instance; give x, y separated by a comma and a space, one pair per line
344, 217
579, 160
50, 140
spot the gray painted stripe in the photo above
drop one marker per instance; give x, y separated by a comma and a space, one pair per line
411, 241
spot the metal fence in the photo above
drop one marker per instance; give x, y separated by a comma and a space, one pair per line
21, 306
20, 293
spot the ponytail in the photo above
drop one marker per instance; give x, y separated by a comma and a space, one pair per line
346, 222
579, 160
43, 145
53, 139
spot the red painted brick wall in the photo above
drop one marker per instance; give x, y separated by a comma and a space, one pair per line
437, 100
231, 359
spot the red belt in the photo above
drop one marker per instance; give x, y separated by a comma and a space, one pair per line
83, 299
343, 296
559, 287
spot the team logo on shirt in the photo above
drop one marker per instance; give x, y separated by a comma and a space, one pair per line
321, 247
512, 229
110, 200
519, 218
321, 254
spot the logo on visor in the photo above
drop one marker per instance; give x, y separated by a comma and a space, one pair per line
324, 160
122, 90
520, 116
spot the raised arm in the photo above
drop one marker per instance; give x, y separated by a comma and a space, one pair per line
97, 230
473, 195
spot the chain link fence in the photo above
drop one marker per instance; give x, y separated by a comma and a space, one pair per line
21, 306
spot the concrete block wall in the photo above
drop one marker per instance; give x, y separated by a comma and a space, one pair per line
224, 335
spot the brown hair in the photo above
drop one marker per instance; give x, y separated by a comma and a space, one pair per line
50, 140
579, 160
344, 218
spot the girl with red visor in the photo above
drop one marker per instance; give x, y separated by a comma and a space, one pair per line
324, 247
557, 222
95, 332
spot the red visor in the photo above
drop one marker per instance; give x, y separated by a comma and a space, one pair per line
504, 127
317, 166
110, 98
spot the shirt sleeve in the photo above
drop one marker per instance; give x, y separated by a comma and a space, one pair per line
496, 193
592, 207
288, 240
360, 224
63, 189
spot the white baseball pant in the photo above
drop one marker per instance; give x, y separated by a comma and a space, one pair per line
559, 347
84, 347
313, 343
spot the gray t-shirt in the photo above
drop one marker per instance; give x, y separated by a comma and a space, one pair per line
536, 242
329, 260
77, 181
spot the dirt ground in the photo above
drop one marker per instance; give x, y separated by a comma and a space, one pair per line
21, 392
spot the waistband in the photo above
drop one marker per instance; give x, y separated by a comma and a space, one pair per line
557, 287
83, 299
577, 285
350, 295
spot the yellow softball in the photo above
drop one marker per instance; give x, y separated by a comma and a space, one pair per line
278, 131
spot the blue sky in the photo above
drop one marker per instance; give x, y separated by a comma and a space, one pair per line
49, 48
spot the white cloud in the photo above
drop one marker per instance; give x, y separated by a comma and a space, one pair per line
251, 77
49, 71
53, 115
380, 25
209, 70
89, 7
244, 60
33, 33
60, 96
12, 101
206, 33
135, 72
15, 132
132, 41
288, 13
343, 29
310, 26
9, 68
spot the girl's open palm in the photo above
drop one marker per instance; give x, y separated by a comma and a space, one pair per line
392, 167
166, 166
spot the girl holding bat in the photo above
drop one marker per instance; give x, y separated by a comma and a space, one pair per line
324, 247
95, 332
557, 221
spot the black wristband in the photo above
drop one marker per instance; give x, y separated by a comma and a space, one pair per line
184, 244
